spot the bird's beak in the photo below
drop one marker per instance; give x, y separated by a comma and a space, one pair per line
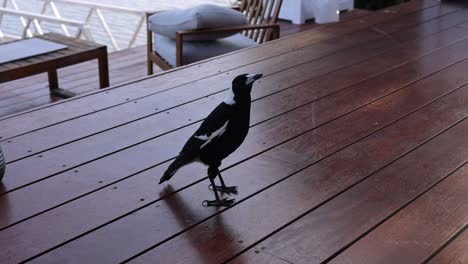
252, 78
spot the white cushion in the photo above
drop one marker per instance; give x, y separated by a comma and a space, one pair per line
199, 50
167, 23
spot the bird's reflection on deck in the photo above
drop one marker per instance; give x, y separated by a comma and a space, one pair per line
183, 213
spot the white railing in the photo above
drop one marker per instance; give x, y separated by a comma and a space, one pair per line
84, 28
27, 18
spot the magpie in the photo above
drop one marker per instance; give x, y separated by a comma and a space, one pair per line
219, 135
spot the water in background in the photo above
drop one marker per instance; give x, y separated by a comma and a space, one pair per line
121, 25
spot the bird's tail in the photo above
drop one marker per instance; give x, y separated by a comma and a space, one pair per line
172, 169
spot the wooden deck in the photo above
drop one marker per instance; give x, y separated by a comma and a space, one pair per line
124, 66
357, 153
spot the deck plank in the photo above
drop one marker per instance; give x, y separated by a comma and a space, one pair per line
380, 16
431, 25
417, 231
456, 252
427, 14
258, 257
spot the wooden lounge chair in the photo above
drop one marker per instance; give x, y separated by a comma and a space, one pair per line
261, 15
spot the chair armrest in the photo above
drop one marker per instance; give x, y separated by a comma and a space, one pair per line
182, 33
227, 29
152, 12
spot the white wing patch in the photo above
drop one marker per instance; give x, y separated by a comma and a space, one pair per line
216, 133
229, 98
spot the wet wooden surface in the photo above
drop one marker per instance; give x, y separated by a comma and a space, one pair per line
124, 66
357, 154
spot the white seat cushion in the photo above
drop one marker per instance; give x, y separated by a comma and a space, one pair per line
167, 23
194, 51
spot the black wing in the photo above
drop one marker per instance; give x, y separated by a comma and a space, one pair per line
211, 127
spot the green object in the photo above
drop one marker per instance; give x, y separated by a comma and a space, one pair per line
2, 164
376, 4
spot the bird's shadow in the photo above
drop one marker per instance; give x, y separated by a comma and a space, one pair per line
185, 216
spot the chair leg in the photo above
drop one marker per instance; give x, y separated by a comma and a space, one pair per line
278, 34
150, 66
149, 46
179, 50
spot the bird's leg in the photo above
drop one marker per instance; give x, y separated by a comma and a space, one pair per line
217, 202
223, 188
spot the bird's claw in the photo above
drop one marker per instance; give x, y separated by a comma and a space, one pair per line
224, 189
218, 203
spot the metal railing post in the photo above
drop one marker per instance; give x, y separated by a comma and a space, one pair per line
4, 4
137, 31
56, 13
2, 37
22, 20
106, 28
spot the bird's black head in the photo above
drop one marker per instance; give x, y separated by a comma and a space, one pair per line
241, 88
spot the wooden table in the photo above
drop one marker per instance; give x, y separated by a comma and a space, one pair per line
357, 154
78, 51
